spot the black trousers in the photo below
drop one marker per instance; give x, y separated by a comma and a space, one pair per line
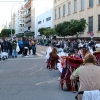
25, 52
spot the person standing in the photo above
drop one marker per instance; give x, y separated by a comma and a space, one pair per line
20, 43
33, 43
26, 45
14, 45
89, 76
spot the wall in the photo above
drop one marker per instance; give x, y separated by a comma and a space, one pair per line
44, 23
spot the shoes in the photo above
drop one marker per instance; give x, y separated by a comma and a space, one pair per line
26, 56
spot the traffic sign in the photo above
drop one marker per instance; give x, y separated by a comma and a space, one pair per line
91, 34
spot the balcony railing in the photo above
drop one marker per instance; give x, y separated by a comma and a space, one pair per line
21, 22
28, 13
28, 7
28, 24
27, 2
27, 19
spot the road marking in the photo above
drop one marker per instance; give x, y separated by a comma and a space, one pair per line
26, 58
51, 81
36, 71
27, 69
41, 83
43, 52
38, 54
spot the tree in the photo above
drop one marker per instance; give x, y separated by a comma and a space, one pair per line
49, 32
29, 34
65, 30
20, 35
59, 29
0, 35
7, 32
62, 29
76, 26
41, 30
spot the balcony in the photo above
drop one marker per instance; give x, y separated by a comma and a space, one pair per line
26, 30
27, 19
28, 1
28, 24
21, 22
29, 7
28, 13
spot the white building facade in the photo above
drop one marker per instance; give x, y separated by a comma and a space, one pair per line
44, 21
42, 7
19, 20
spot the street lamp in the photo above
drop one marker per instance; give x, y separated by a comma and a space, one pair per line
11, 15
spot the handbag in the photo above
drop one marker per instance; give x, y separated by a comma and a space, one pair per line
17, 48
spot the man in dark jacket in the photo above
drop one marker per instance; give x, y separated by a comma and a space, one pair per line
26, 45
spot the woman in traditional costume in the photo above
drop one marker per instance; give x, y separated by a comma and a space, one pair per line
88, 75
72, 62
49, 49
97, 56
53, 59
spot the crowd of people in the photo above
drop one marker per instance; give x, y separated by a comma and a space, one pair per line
14, 46
76, 60
78, 64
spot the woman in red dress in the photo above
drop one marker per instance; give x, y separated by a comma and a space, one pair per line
53, 59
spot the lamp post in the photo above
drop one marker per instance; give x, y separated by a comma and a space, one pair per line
11, 15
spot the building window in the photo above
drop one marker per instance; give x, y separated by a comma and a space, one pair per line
75, 5
82, 4
48, 19
55, 0
99, 1
84, 28
69, 8
55, 13
39, 22
90, 3
90, 24
98, 22
59, 12
64, 10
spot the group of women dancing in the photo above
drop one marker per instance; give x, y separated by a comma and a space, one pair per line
79, 70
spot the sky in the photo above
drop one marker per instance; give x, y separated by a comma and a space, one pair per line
5, 10
6, 6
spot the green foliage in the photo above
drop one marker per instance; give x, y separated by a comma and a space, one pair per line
20, 35
7, 32
41, 30
29, 34
49, 31
0, 35
65, 30
62, 29
59, 29
76, 26
26, 34
70, 27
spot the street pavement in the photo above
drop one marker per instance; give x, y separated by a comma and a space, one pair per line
40, 52
29, 79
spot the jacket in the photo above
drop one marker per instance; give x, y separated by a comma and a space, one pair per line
89, 77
